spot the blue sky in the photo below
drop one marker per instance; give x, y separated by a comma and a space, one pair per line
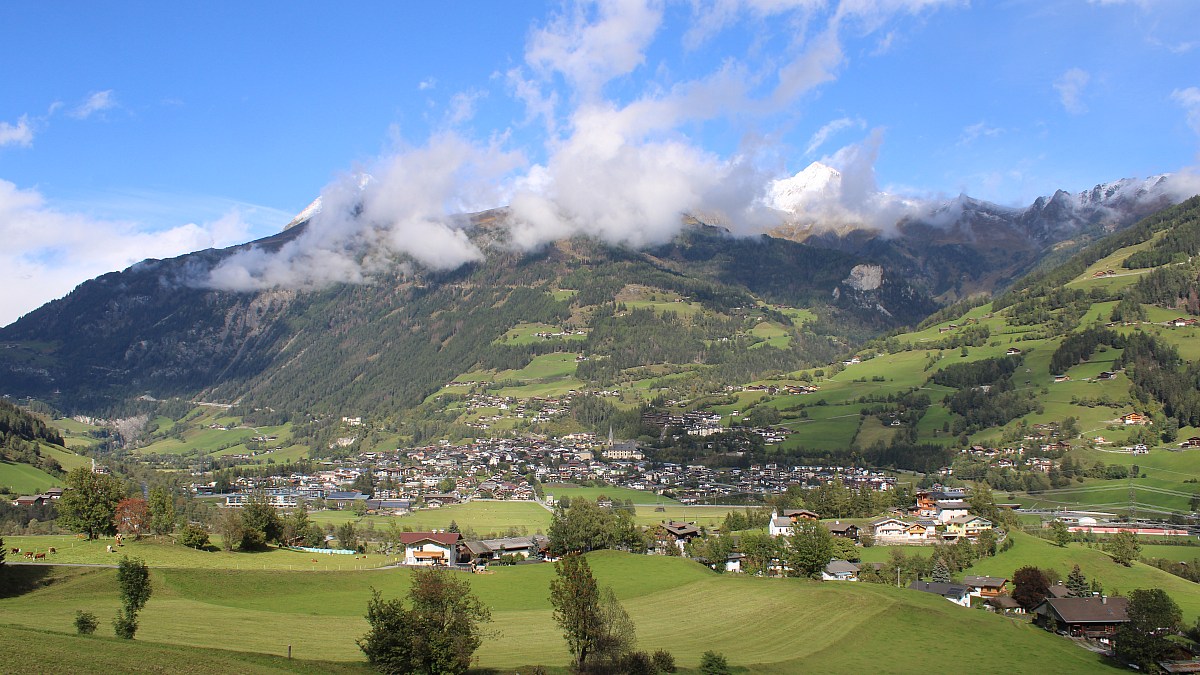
147, 130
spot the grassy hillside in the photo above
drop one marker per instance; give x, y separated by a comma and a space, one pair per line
766, 625
23, 479
1094, 563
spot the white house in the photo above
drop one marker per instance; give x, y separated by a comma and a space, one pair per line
780, 527
951, 509
889, 527
430, 548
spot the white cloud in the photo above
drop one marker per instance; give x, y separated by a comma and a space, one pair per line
975, 131
20, 133
366, 227
462, 106
1070, 86
818, 139
96, 102
427, 83
49, 251
596, 42
1190, 100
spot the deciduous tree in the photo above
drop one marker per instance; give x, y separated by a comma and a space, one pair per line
261, 521
89, 502
133, 580
438, 634
1153, 616
809, 550
1124, 547
575, 596
132, 517
1030, 587
162, 511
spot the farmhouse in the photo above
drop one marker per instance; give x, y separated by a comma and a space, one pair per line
1135, 418
680, 534
1095, 617
429, 548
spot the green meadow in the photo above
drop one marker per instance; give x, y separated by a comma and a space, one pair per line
23, 479
638, 497
482, 516
162, 553
762, 625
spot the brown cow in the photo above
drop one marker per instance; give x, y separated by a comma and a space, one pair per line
39, 556
14, 551
53, 550
29, 554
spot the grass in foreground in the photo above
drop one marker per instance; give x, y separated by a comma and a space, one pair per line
765, 625
42, 651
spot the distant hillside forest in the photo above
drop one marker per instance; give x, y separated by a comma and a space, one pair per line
20, 433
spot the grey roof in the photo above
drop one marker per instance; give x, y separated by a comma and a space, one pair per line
836, 566
476, 547
345, 495
1003, 602
982, 582
1088, 610
510, 544
953, 591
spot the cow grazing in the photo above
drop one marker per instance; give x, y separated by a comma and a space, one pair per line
29, 555
39, 556
53, 550
14, 551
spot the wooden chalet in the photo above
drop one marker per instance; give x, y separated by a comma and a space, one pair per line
845, 530
1095, 617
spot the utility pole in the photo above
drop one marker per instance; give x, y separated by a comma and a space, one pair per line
1132, 499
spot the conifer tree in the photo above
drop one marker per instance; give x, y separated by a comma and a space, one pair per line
1077, 584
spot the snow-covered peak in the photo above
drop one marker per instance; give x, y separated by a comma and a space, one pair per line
364, 179
816, 182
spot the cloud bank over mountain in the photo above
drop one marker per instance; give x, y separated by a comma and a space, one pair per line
624, 168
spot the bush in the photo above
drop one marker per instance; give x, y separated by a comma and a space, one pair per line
637, 663
664, 662
125, 625
85, 622
193, 536
714, 663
